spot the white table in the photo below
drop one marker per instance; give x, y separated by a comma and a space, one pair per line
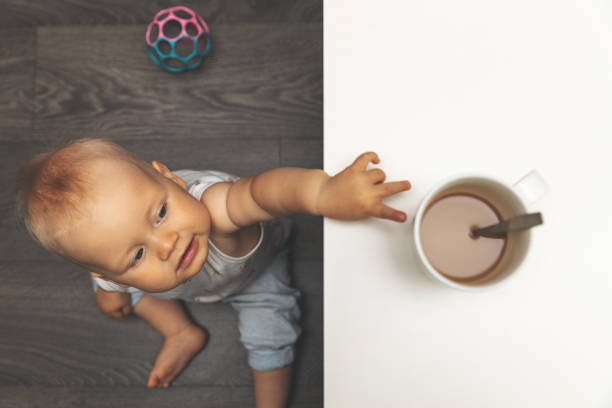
445, 87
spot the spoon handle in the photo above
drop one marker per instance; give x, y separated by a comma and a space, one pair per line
518, 223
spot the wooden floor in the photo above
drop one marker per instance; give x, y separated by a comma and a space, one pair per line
79, 68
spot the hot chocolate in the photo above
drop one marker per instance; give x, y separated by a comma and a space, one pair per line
446, 239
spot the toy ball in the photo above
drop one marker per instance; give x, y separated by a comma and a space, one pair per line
177, 39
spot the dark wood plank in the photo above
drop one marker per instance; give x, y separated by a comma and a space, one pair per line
19, 13
52, 334
307, 276
306, 153
307, 241
259, 81
17, 71
241, 157
104, 397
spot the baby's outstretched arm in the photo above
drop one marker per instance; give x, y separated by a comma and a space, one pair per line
352, 194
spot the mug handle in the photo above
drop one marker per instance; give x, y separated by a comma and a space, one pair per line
531, 187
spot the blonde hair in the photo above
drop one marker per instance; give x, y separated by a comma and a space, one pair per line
53, 187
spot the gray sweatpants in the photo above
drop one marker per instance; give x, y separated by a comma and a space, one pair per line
268, 315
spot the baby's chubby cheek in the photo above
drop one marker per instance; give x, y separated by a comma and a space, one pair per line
191, 212
205, 221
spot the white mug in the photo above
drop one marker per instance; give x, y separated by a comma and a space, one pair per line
509, 200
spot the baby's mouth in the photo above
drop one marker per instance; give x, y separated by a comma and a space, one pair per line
189, 254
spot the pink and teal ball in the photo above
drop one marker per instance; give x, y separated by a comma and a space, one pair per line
178, 39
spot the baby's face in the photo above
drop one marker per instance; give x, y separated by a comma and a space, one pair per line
144, 231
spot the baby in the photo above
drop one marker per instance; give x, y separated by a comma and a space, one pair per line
149, 236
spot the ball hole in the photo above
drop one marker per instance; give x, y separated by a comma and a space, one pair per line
172, 29
192, 29
160, 18
154, 33
184, 14
201, 23
184, 47
164, 47
202, 43
174, 63
194, 62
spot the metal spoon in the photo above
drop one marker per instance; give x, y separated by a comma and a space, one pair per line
500, 230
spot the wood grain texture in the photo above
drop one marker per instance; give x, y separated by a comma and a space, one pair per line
303, 152
17, 75
259, 81
105, 397
20, 13
307, 243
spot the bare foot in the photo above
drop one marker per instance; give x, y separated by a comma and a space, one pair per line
174, 355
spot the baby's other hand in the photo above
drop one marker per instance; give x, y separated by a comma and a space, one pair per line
114, 304
356, 192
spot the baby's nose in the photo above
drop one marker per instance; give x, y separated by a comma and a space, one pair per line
166, 243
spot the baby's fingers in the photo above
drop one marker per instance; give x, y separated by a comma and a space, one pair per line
394, 187
376, 176
126, 310
116, 315
121, 314
122, 318
361, 162
388, 189
384, 211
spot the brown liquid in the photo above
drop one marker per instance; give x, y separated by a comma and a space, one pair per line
446, 239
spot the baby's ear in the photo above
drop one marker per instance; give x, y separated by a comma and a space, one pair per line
164, 171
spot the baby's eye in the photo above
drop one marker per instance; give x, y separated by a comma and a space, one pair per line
162, 213
139, 255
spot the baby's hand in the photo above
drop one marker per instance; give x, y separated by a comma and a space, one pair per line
114, 304
356, 192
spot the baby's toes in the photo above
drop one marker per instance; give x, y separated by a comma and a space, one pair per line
159, 379
153, 381
166, 380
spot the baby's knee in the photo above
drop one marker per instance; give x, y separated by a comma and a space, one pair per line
269, 331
